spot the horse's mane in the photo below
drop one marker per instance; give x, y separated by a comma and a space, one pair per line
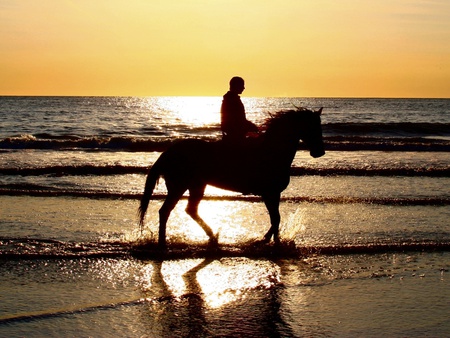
282, 116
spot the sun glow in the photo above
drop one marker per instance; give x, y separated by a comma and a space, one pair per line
287, 48
192, 110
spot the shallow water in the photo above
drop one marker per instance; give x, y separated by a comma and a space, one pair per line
365, 231
396, 294
308, 223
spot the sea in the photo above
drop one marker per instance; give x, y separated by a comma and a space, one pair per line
365, 229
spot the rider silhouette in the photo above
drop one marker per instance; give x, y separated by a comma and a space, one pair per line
234, 124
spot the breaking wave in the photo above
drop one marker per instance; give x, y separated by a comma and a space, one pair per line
28, 248
88, 169
338, 136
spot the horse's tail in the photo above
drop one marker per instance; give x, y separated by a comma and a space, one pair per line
152, 178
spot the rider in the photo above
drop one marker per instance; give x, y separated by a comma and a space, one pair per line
234, 124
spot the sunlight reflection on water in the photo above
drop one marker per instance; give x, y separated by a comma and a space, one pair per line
226, 280
218, 281
398, 294
234, 221
193, 110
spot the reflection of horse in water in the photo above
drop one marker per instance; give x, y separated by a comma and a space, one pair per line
260, 166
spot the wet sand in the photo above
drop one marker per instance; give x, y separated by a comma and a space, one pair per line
395, 294
85, 276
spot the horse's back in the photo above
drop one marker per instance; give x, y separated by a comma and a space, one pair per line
185, 159
237, 167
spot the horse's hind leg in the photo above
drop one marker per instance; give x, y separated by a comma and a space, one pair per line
195, 196
171, 201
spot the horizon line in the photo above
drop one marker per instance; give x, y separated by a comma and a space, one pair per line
243, 96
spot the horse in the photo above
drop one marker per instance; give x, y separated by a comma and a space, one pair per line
258, 166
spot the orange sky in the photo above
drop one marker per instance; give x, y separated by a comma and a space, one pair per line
345, 48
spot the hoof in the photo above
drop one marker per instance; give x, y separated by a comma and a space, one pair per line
214, 241
162, 246
263, 241
266, 240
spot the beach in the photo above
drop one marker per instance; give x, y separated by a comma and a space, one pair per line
365, 235
341, 295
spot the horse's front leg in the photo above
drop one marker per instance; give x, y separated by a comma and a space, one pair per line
272, 202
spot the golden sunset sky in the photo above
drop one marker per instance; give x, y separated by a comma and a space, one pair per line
296, 48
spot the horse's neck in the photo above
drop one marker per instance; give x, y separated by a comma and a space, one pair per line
281, 150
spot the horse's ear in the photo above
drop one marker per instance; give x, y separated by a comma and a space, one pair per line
319, 112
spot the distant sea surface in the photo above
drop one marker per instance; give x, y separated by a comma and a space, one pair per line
367, 225
132, 124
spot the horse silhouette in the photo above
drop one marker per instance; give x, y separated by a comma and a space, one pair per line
259, 166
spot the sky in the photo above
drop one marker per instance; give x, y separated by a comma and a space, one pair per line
283, 48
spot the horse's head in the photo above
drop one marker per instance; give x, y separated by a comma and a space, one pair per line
288, 127
311, 133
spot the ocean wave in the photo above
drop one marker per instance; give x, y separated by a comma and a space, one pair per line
34, 190
32, 248
65, 170
72, 142
338, 141
405, 129
29, 248
364, 143
8, 319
